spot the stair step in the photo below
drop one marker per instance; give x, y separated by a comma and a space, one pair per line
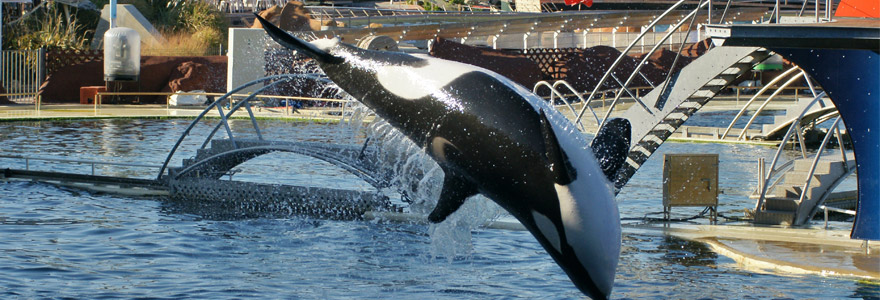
649, 145
702, 94
718, 81
753, 58
826, 165
660, 133
737, 68
791, 191
642, 150
781, 204
676, 116
664, 127
638, 157
774, 217
690, 105
795, 177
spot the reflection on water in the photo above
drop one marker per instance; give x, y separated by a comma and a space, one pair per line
66, 243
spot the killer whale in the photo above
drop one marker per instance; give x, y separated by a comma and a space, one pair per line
493, 137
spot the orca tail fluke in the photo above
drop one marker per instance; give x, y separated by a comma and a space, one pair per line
611, 146
294, 43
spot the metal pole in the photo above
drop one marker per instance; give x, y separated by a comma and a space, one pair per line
710, 13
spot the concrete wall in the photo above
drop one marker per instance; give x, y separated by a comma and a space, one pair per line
246, 59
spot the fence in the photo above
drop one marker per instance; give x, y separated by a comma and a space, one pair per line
22, 73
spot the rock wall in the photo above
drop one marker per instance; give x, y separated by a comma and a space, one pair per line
513, 66
582, 68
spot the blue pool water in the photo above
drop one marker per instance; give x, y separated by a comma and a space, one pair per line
60, 242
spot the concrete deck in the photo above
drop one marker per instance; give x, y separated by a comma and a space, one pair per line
774, 249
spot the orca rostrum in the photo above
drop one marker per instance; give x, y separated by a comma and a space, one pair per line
493, 137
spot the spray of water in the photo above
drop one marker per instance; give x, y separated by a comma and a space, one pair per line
411, 172
419, 177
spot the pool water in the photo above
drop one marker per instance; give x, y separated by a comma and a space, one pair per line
66, 243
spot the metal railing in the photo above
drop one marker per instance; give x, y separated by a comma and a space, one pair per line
286, 107
764, 105
92, 163
21, 72
758, 94
572, 92
765, 181
626, 51
834, 209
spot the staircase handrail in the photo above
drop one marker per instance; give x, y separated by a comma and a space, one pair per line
778, 154
763, 105
644, 60
816, 160
580, 97
749, 103
724, 14
554, 91
623, 54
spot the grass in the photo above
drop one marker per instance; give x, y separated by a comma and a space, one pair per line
204, 42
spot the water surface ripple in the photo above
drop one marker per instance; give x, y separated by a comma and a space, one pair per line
65, 243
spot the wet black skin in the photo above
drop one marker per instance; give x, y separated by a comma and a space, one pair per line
497, 147
498, 144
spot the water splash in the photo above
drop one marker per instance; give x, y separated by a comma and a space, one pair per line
414, 174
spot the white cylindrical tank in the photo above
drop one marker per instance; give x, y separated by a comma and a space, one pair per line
122, 54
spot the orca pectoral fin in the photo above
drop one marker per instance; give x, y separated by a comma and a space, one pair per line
456, 189
294, 43
561, 168
611, 146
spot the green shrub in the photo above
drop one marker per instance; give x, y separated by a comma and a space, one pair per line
49, 28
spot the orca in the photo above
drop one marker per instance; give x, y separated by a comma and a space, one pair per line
493, 137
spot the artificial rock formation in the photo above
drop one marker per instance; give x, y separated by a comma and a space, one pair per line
294, 16
158, 74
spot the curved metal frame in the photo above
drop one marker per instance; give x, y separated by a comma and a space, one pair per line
223, 116
555, 92
760, 92
625, 51
763, 105
306, 152
235, 108
764, 185
692, 16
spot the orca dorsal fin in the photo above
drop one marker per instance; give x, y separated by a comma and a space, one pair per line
456, 189
563, 172
294, 43
611, 146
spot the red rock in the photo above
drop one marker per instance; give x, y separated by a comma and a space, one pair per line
515, 67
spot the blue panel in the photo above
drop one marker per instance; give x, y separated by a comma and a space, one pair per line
852, 80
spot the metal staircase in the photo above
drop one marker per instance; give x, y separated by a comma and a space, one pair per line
790, 204
673, 102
